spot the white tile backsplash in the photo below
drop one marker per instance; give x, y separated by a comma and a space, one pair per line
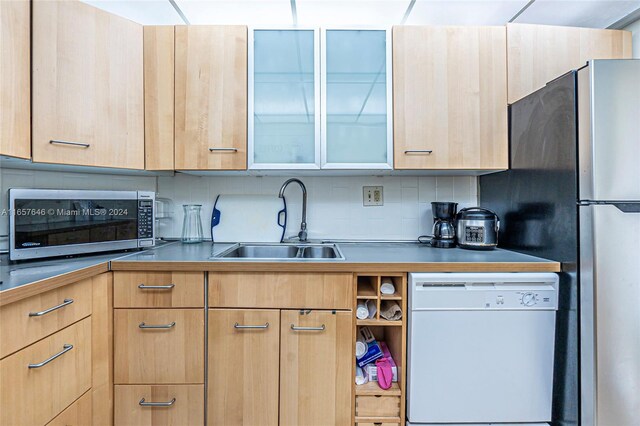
335, 207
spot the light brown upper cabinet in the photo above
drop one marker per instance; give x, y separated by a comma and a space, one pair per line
158, 96
14, 79
87, 82
450, 98
539, 53
211, 98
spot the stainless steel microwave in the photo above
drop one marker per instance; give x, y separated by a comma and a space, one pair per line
48, 223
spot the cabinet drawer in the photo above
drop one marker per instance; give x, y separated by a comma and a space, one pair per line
157, 346
158, 289
55, 309
378, 406
77, 414
280, 290
36, 395
172, 405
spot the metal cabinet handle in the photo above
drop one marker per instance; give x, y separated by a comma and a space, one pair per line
79, 144
295, 328
66, 348
157, 404
46, 311
223, 149
418, 151
156, 287
236, 325
159, 326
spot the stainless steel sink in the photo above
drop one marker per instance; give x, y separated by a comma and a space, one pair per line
289, 252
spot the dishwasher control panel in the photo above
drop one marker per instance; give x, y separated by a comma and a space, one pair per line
482, 291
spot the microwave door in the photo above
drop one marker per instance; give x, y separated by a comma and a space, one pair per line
72, 224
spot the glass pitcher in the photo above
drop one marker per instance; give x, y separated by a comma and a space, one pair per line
192, 224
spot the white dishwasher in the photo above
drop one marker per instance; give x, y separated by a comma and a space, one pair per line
480, 347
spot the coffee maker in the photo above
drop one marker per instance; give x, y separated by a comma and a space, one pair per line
444, 229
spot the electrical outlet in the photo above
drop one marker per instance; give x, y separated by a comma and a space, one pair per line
372, 196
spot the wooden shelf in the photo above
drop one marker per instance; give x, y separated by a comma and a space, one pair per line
380, 322
394, 296
372, 389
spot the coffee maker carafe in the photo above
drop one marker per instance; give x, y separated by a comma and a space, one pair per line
444, 230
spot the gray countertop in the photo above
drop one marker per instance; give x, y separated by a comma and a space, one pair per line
196, 256
353, 253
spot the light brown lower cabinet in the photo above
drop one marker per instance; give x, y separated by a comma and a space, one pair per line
158, 346
166, 405
244, 354
77, 414
279, 367
316, 362
40, 381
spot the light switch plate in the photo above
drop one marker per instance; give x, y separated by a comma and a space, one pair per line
372, 196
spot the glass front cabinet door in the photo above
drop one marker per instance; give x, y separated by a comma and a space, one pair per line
284, 99
356, 99
320, 99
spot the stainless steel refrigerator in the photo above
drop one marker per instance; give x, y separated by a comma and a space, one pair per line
572, 194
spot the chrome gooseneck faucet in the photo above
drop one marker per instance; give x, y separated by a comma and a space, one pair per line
302, 235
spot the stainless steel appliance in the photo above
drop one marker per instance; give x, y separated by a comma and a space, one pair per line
573, 195
481, 347
477, 228
47, 223
444, 230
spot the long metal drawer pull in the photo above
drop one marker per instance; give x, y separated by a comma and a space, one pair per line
80, 144
418, 151
66, 348
156, 287
223, 149
236, 325
295, 328
46, 311
160, 326
157, 404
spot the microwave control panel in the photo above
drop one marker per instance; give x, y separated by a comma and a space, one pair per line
145, 219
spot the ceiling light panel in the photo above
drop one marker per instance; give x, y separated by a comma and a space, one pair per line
350, 13
145, 12
454, 12
244, 12
577, 13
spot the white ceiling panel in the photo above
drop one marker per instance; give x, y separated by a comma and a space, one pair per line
326, 13
248, 12
577, 13
145, 12
454, 12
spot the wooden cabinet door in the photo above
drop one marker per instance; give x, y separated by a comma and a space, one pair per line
450, 98
244, 354
15, 102
87, 81
211, 97
159, 405
159, 61
316, 367
536, 54
40, 381
158, 346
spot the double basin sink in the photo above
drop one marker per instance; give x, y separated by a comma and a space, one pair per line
293, 252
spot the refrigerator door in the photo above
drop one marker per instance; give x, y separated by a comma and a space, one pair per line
610, 314
609, 130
